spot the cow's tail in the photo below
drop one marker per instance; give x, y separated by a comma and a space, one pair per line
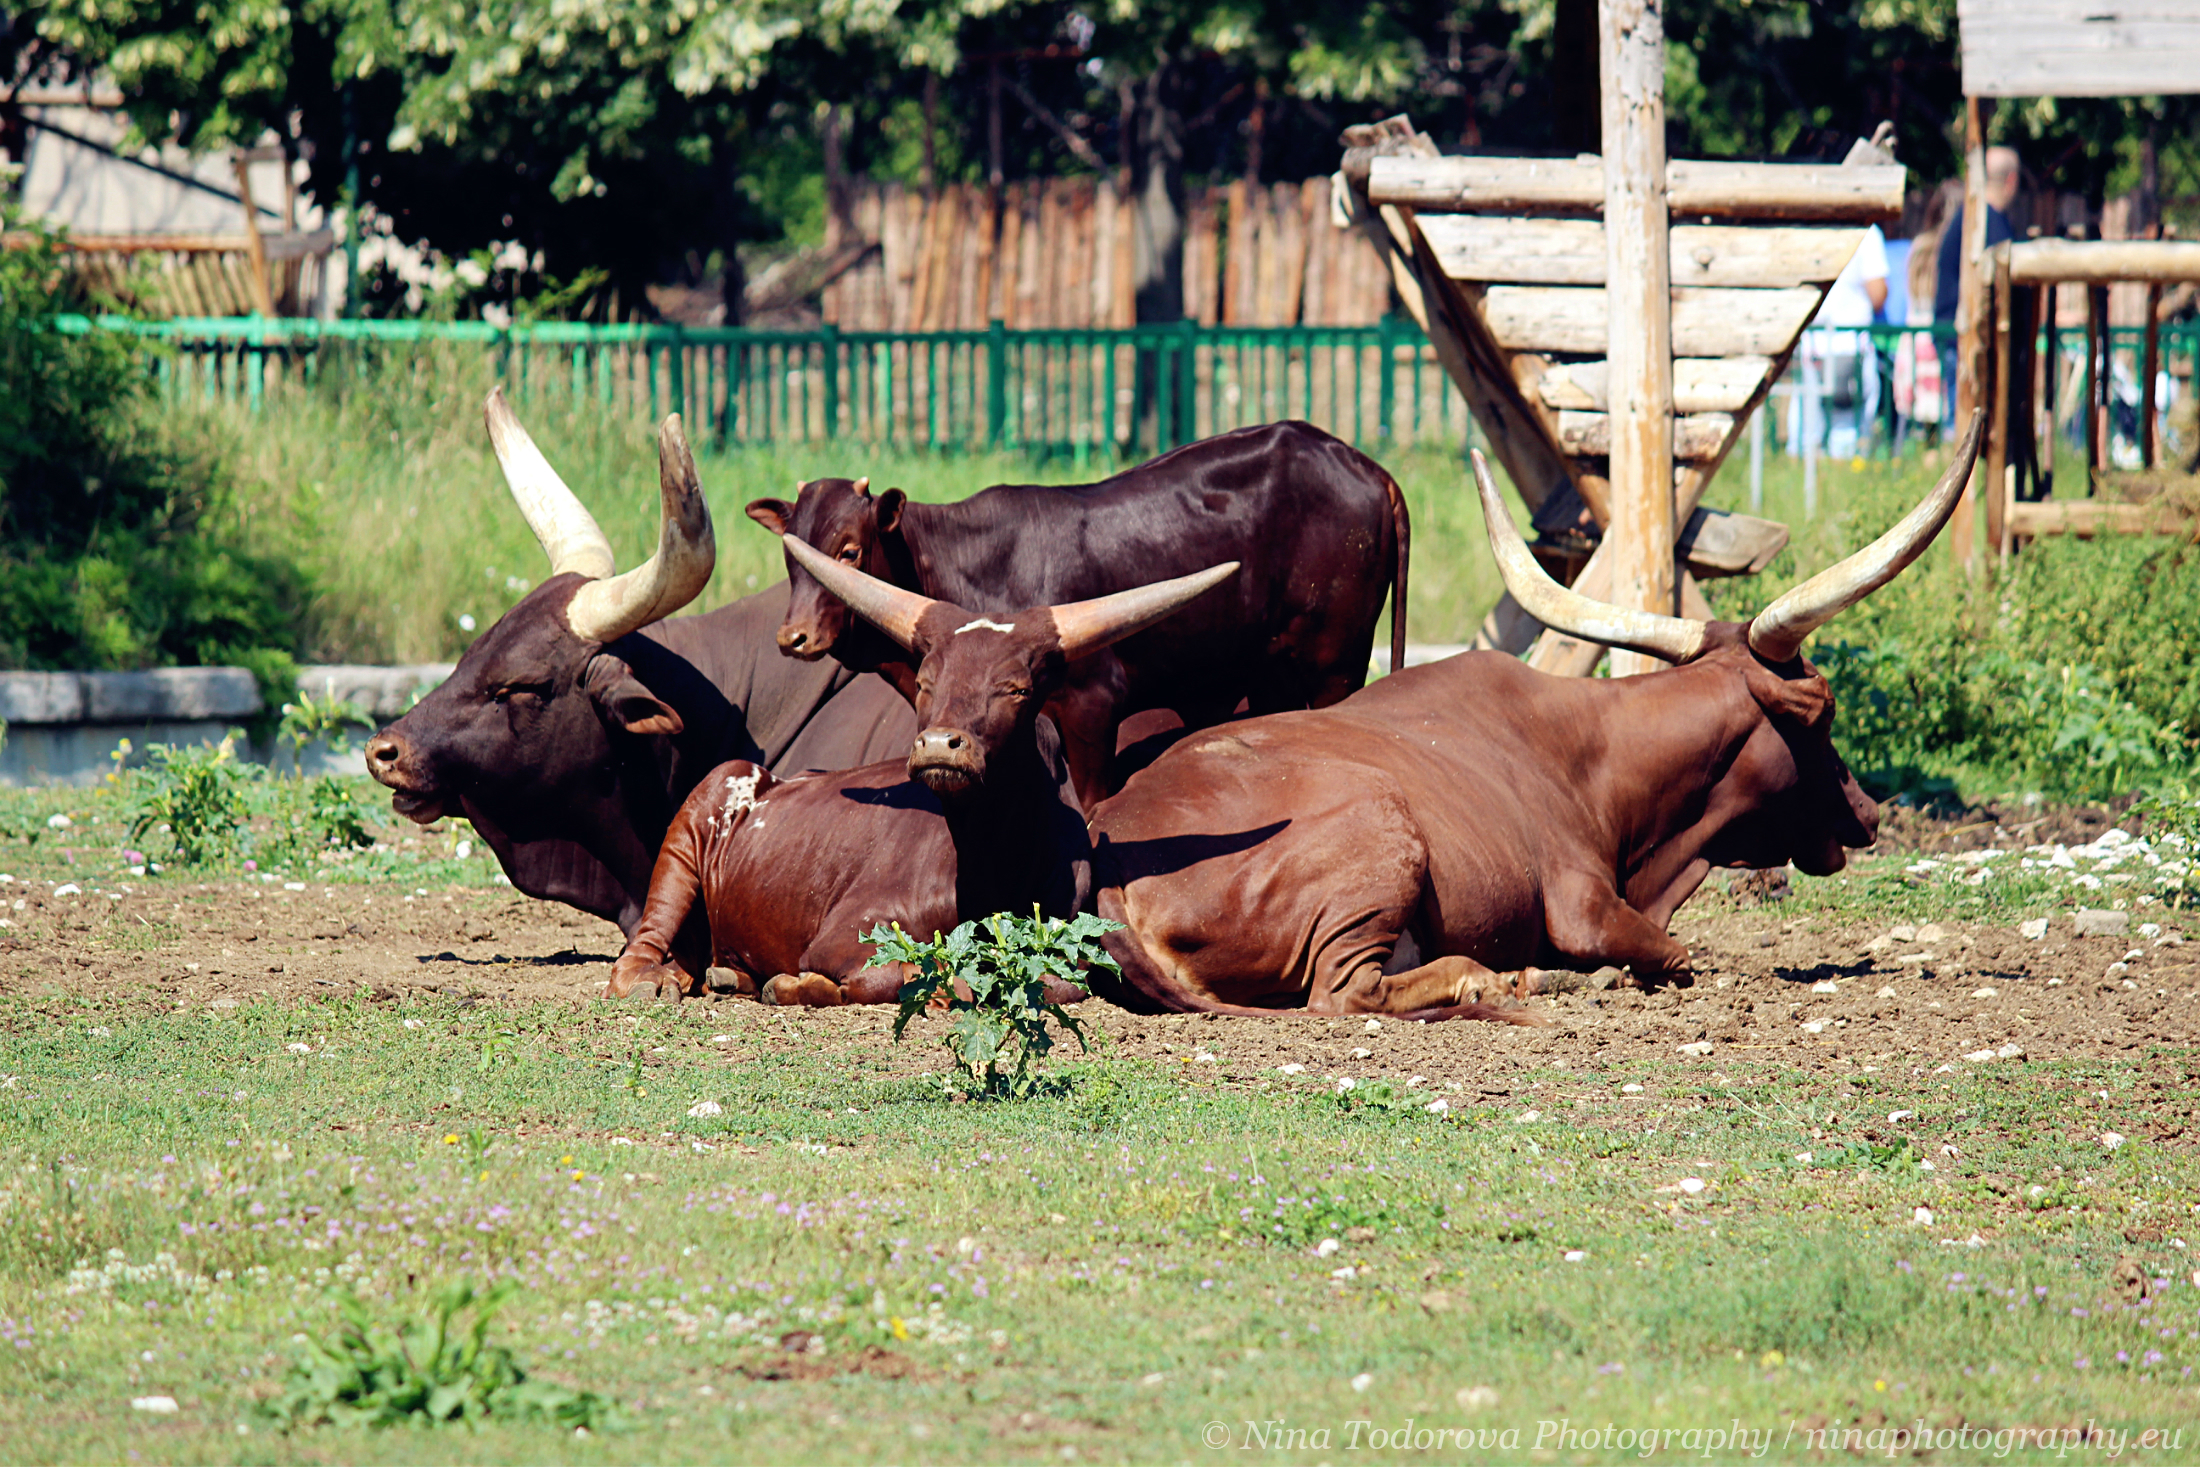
1402, 523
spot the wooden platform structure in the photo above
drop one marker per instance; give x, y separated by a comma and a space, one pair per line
1507, 265
2017, 285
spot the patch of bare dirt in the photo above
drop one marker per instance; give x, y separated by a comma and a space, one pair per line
1804, 993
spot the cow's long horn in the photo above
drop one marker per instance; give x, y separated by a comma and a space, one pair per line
889, 608
1086, 626
1778, 631
687, 551
568, 532
1674, 638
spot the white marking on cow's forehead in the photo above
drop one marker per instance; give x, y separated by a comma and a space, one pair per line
982, 624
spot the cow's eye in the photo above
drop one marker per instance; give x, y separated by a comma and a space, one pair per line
510, 691
1016, 692
848, 554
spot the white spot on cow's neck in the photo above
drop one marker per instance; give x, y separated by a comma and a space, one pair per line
740, 798
982, 625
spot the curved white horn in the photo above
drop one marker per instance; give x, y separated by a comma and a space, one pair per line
1674, 638
687, 551
1084, 627
1778, 631
888, 607
568, 532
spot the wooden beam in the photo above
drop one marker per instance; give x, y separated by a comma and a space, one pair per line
1639, 292
1971, 303
1825, 193
1695, 436
2000, 303
1700, 384
263, 292
1705, 322
2078, 48
287, 246
1518, 251
2087, 518
2104, 261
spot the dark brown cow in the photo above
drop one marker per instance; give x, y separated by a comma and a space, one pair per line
572, 729
1416, 849
1321, 530
979, 818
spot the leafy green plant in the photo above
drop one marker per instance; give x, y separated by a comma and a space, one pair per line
191, 794
329, 719
992, 981
432, 1372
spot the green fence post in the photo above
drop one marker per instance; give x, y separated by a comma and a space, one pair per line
1187, 381
996, 382
1386, 387
678, 372
829, 341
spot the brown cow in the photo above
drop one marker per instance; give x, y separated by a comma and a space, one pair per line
1320, 529
1419, 847
980, 818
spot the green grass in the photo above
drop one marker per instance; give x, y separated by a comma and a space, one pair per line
180, 1192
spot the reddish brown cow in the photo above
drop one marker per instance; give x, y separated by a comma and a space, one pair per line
1416, 849
980, 818
1320, 529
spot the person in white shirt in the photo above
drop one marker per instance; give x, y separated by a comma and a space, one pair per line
1842, 358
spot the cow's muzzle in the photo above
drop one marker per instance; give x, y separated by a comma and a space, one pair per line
947, 761
388, 758
807, 643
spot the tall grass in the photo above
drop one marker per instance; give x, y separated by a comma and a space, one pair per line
388, 498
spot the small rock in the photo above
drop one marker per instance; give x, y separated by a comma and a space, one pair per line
2117, 970
2135, 954
1887, 992
1361, 1052
1437, 1301
1879, 944
705, 1108
2095, 922
2110, 1140
221, 1003
1903, 933
1980, 1056
1606, 978
1914, 960
1931, 932
1766, 939
1327, 1248
1362, 1381
158, 1405
1701, 1046
1691, 1185
1825, 985
1476, 1398
2034, 929
473, 929
1359, 1235
1293, 1069
1814, 1026
1374, 1026
2011, 1050
1923, 1217
1985, 993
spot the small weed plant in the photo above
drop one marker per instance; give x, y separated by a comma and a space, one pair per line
992, 978
213, 808
439, 1371
192, 794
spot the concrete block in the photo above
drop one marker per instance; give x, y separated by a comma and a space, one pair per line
170, 694
382, 693
41, 697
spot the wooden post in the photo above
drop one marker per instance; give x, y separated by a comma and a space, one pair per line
263, 294
2150, 362
1971, 323
1999, 301
1639, 303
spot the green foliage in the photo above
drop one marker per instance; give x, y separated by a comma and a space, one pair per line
192, 795
436, 1372
327, 719
115, 548
994, 987
202, 799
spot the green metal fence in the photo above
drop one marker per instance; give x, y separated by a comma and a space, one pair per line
1078, 393
1072, 392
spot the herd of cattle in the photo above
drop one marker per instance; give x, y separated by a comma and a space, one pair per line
1141, 697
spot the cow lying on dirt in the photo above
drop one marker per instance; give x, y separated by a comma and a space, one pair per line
572, 729
1415, 849
1320, 529
979, 818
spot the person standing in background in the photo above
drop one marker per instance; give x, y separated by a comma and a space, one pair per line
1919, 389
1839, 358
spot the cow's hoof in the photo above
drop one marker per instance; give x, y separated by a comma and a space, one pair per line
731, 980
802, 990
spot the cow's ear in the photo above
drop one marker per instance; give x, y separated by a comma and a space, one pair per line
889, 510
623, 701
772, 514
1803, 699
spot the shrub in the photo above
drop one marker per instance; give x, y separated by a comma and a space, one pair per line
204, 799
118, 546
994, 987
425, 1373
